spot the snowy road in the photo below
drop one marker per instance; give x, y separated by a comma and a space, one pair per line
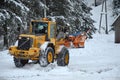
99, 60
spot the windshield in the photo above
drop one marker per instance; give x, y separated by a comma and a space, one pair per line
39, 27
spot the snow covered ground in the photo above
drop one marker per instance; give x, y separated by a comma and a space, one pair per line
99, 60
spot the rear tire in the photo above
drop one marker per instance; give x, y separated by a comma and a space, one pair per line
63, 57
46, 57
20, 62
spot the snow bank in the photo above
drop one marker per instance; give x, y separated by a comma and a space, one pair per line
99, 60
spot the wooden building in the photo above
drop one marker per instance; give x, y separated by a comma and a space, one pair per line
116, 25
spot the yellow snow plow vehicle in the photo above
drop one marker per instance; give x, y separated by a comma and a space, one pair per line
39, 45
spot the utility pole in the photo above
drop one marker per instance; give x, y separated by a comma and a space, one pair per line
105, 13
101, 16
95, 3
106, 17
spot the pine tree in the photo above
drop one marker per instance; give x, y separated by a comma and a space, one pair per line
73, 12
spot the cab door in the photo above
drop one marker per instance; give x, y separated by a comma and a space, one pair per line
52, 33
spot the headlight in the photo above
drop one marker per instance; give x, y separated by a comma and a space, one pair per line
28, 38
19, 37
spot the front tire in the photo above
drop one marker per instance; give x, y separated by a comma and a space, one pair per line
63, 57
19, 62
46, 57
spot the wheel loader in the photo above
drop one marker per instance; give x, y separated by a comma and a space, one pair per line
40, 45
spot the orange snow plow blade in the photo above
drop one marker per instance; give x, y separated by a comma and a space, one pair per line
74, 41
79, 41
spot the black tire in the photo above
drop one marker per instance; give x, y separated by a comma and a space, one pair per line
46, 57
63, 57
20, 62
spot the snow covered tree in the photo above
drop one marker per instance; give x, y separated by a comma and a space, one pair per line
116, 7
73, 12
12, 17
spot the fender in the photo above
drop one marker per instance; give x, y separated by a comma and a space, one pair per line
60, 48
45, 45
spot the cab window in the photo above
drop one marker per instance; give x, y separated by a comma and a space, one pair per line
52, 31
39, 27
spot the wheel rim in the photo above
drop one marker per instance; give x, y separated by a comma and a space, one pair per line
66, 58
50, 57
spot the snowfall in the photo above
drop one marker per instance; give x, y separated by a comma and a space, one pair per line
99, 60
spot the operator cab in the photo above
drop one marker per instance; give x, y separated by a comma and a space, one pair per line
39, 28
44, 28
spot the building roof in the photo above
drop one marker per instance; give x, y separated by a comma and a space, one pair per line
116, 22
